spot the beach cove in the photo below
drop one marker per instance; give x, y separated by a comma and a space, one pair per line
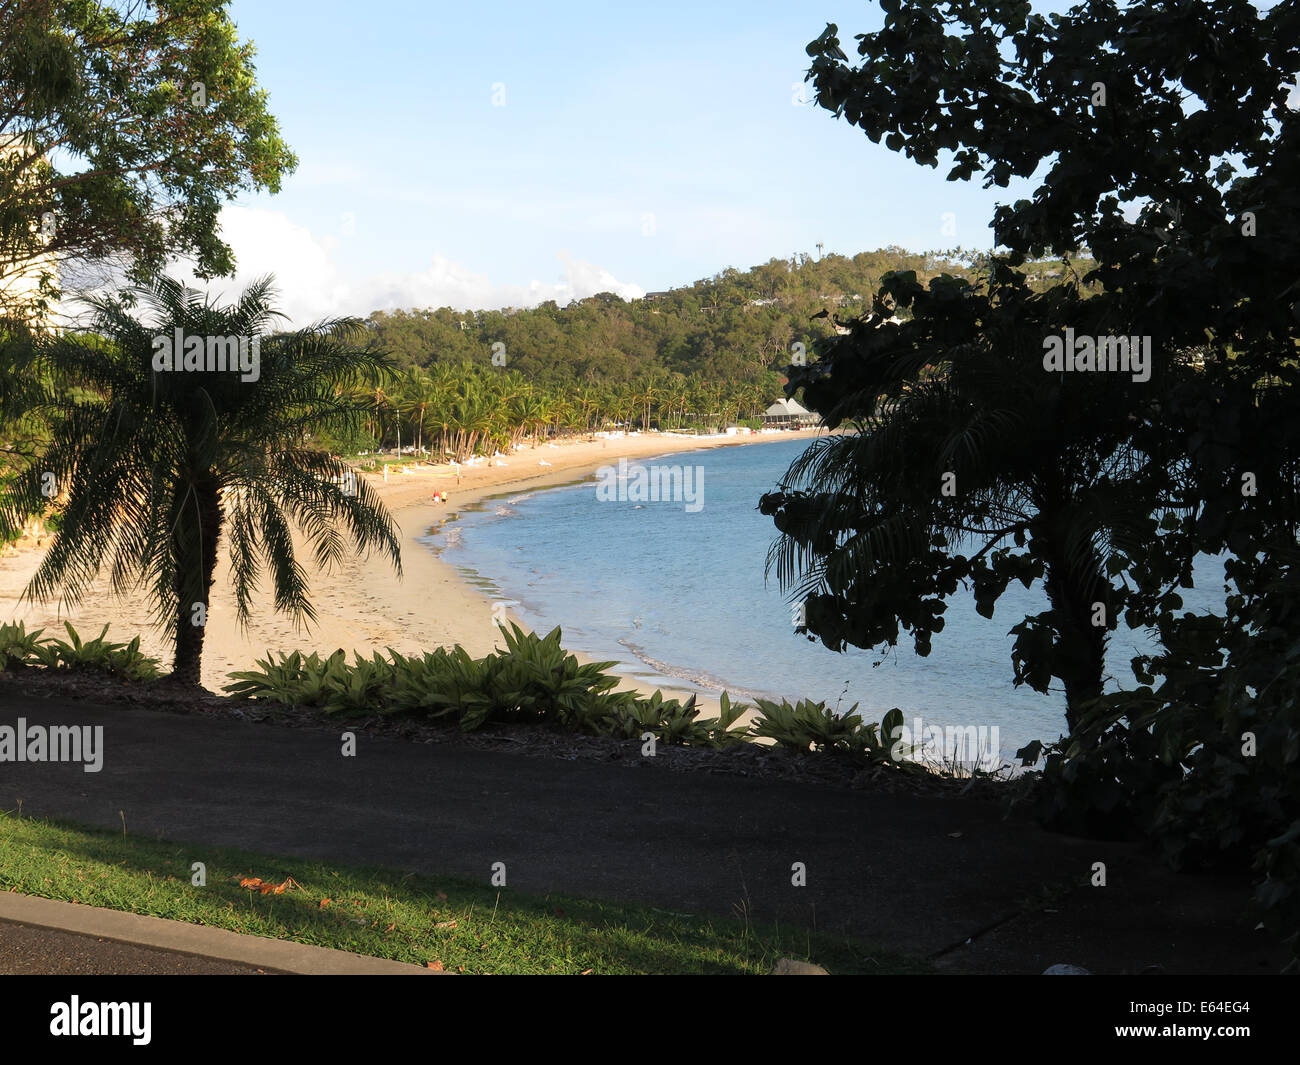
363, 605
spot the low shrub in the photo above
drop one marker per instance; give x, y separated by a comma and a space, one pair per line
20, 649
532, 679
808, 725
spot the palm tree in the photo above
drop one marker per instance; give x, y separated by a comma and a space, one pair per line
469, 417
162, 466
587, 402
442, 386
623, 405
650, 391
418, 399
528, 413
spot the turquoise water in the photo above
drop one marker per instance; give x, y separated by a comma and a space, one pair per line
674, 592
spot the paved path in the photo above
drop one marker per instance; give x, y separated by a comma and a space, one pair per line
65, 938
27, 951
918, 874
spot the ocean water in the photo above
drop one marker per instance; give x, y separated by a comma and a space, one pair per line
674, 593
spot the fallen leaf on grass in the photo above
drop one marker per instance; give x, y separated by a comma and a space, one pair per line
267, 888
391, 927
436, 966
442, 896
323, 903
445, 924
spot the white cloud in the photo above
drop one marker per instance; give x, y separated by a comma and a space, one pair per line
312, 285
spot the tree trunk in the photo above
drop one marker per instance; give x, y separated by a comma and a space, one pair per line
1074, 593
191, 621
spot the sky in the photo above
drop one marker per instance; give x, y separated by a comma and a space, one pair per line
494, 155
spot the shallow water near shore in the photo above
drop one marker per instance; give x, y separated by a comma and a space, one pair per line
677, 597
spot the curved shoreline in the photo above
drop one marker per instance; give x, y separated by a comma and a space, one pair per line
632, 663
646, 447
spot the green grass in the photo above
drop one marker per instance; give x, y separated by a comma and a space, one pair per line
467, 927
374, 461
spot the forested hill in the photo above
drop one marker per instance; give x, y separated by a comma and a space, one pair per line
736, 327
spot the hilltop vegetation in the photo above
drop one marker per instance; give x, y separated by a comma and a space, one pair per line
701, 356
737, 327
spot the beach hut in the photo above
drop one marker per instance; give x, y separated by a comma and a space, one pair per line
789, 414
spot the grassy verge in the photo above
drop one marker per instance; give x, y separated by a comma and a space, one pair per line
373, 462
463, 926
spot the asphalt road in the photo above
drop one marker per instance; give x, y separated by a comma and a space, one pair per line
27, 951
914, 873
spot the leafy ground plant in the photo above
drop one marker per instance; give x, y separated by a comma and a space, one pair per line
18, 647
532, 679
21, 649
812, 725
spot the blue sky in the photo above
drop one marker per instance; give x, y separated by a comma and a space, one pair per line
639, 147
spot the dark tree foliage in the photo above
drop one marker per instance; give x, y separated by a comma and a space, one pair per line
1166, 146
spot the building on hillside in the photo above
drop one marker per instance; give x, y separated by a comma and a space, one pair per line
25, 282
788, 414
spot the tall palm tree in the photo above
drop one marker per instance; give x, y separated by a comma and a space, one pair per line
651, 391
419, 397
587, 402
442, 387
162, 467
624, 405
469, 417
527, 413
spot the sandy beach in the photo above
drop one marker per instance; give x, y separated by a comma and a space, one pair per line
363, 605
